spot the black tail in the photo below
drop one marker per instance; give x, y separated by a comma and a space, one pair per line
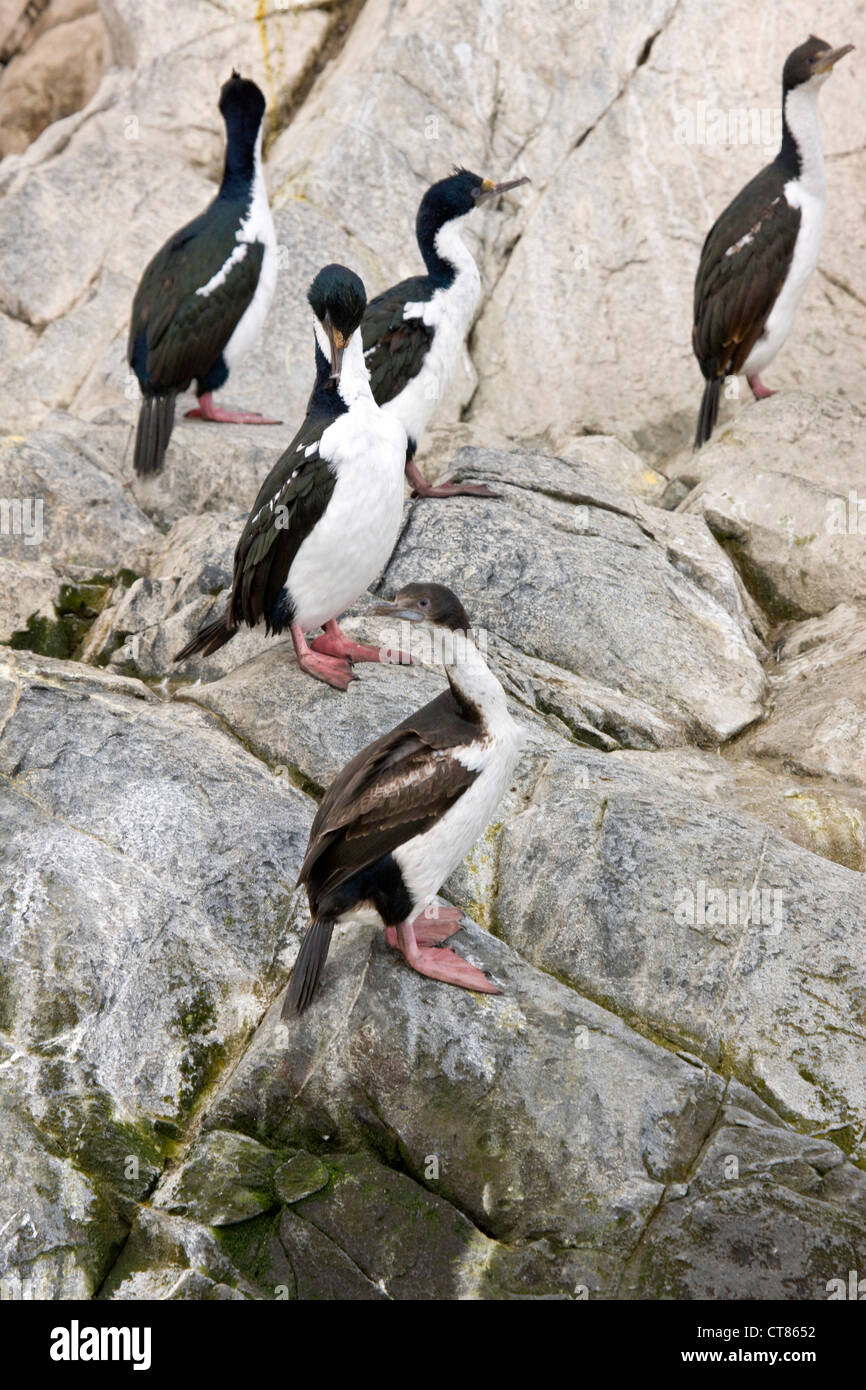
308, 967
709, 411
155, 424
209, 638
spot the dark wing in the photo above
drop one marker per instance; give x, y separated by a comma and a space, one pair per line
395, 347
745, 259
390, 792
177, 334
290, 502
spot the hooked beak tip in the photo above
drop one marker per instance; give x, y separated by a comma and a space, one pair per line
829, 60
489, 189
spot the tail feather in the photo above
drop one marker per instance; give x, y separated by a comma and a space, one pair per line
209, 638
308, 966
155, 424
709, 411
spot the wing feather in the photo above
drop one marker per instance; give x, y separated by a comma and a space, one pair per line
395, 346
390, 792
745, 259
181, 331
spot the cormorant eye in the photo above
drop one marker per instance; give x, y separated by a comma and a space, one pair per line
423, 603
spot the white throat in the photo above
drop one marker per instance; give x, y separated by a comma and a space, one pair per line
452, 248
470, 675
801, 114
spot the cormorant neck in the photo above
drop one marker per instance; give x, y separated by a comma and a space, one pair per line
243, 162
471, 679
441, 246
801, 155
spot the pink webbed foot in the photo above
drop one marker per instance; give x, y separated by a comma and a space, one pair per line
759, 390
329, 669
333, 643
442, 964
431, 927
333, 670
207, 409
421, 488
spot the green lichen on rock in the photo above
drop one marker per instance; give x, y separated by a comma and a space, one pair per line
300, 1176
76, 608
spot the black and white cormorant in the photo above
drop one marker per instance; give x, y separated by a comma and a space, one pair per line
329, 512
203, 299
414, 332
405, 811
758, 257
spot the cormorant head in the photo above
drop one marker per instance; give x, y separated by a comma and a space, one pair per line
432, 604
456, 196
338, 299
811, 63
242, 106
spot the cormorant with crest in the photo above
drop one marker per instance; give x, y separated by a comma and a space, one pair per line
414, 332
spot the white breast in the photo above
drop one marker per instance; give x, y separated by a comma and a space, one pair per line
426, 861
258, 225
449, 313
809, 194
803, 263
352, 543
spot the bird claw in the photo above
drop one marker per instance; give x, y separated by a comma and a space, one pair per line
445, 965
217, 416
329, 645
430, 931
453, 490
334, 671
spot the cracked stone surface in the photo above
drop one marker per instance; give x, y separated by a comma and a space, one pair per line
667, 1099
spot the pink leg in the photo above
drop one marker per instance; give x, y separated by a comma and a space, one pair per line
431, 927
442, 965
332, 670
422, 488
333, 643
759, 390
207, 409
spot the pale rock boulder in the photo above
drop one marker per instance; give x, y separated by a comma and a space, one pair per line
26, 589
706, 926
52, 64
783, 487
69, 512
822, 813
816, 725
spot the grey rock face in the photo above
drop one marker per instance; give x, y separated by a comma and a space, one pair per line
562, 568
666, 1100
781, 488
758, 939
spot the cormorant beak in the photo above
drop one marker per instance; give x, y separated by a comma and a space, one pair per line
394, 610
827, 60
338, 346
490, 190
